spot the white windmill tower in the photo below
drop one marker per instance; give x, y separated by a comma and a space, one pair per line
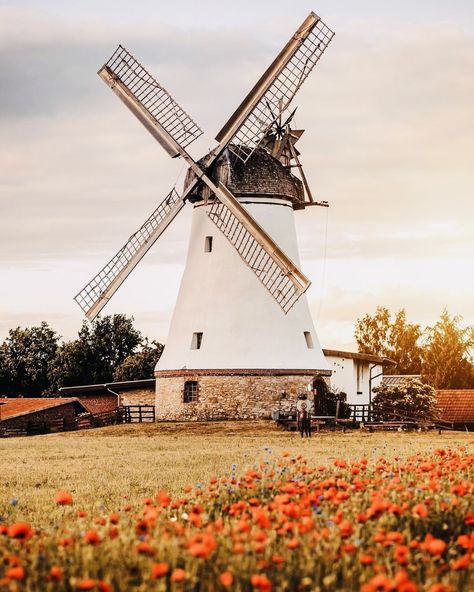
233, 347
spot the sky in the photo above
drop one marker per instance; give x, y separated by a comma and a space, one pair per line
389, 143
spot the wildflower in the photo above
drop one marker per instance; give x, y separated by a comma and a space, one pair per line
345, 529
420, 510
15, 573
158, 570
63, 498
81, 513
114, 518
20, 531
226, 578
436, 546
469, 519
261, 582
92, 537
145, 548
461, 563
366, 559
401, 553
163, 499
178, 575
86, 584
55, 574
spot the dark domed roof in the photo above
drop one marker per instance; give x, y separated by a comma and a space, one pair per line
261, 176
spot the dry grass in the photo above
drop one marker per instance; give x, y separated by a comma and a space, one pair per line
100, 467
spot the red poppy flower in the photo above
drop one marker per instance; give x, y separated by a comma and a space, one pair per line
261, 582
86, 584
63, 498
158, 570
20, 531
178, 575
92, 537
15, 573
55, 574
226, 579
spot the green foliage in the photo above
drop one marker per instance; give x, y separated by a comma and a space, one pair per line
447, 360
25, 357
92, 358
140, 364
442, 354
408, 400
396, 339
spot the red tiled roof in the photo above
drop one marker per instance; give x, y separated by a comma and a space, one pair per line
456, 406
15, 406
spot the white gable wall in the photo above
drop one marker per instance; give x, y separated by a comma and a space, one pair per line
352, 377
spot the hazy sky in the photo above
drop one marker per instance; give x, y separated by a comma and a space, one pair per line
389, 114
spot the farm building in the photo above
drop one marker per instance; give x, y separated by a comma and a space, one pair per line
356, 374
457, 407
32, 415
108, 396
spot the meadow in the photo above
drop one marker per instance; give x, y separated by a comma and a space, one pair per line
236, 506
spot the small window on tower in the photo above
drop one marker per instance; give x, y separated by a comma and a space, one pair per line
196, 341
309, 339
190, 393
208, 244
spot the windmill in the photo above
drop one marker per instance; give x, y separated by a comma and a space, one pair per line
243, 194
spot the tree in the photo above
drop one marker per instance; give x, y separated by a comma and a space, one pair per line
448, 361
411, 399
398, 340
25, 357
141, 364
101, 347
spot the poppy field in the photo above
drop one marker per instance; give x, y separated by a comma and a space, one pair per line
370, 517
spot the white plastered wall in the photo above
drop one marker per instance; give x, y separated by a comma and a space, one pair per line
242, 325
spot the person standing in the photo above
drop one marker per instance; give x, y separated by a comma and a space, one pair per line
303, 416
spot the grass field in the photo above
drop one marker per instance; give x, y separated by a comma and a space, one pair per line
242, 507
99, 467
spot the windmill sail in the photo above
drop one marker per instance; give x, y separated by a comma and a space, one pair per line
281, 285
95, 295
148, 100
276, 88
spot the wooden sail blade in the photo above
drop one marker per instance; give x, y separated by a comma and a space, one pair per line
282, 278
95, 295
149, 101
276, 88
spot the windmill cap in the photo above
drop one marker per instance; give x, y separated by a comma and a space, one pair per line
261, 176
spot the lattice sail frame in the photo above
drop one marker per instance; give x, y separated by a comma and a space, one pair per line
153, 97
92, 293
281, 92
254, 255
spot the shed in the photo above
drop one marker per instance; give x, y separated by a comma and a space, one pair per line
111, 395
33, 414
457, 407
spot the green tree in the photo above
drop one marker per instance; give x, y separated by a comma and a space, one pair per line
397, 339
140, 364
101, 347
25, 356
409, 400
448, 361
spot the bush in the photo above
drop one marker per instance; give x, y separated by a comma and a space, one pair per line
411, 399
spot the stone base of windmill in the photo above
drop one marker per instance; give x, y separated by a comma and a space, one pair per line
205, 395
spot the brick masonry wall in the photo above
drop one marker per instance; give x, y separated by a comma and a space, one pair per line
99, 403
65, 412
138, 397
228, 396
